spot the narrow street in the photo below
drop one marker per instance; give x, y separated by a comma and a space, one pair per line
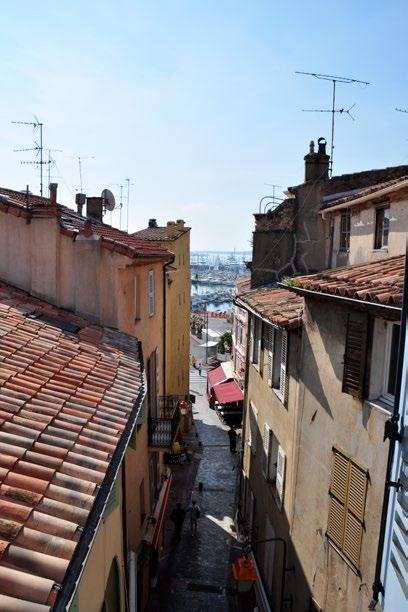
194, 573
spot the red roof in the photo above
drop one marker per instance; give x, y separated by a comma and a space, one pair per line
72, 223
372, 190
242, 284
379, 282
279, 306
158, 234
228, 392
67, 389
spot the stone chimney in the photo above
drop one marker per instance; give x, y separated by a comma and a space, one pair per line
80, 199
153, 223
180, 223
317, 164
94, 208
53, 194
171, 228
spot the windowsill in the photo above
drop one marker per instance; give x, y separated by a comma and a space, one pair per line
343, 251
379, 404
278, 395
381, 250
137, 319
343, 556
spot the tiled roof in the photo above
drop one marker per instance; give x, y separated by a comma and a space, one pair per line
379, 282
277, 305
161, 233
242, 284
72, 223
372, 190
67, 389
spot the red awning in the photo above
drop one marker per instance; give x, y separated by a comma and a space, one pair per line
216, 376
228, 392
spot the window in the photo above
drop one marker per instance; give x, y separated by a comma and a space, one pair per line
382, 224
348, 492
345, 231
253, 428
142, 504
256, 335
355, 354
152, 304
276, 345
136, 298
273, 463
391, 356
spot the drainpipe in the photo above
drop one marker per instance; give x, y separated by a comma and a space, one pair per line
392, 433
283, 542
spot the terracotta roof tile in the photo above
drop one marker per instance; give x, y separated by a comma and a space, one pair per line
279, 306
379, 282
58, 430
372, 190
158, 234
72, 223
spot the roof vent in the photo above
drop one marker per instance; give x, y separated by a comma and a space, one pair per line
153, 223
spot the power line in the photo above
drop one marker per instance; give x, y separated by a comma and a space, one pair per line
333, 110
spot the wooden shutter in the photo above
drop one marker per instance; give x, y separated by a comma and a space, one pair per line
280, 477
338, 498
266, 451
254, 427
355, 354
151, 293
283, 387
270, 342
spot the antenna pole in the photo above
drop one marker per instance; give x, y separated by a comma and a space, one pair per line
332, 128
80, 174
41, 158
120, 207
127, 207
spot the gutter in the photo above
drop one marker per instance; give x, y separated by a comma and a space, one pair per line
366, 198
342, 299
76, 566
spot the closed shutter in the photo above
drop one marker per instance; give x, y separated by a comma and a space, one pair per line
251, 339
283, 387
270, 339
151, 293
266, 451
348, 493
280, 477
355, 354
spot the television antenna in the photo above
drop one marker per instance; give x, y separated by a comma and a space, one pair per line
38, 147
80, 159
128, 202
333, 110
120, 185
50, 162
401, 110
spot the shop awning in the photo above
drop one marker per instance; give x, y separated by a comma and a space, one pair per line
228, 392
220, 374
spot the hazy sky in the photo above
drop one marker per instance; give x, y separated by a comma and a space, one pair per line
197, 101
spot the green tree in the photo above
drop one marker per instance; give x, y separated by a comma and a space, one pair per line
224, 342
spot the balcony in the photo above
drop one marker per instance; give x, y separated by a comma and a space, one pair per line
163, 428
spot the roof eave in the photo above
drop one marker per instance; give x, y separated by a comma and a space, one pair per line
344, 300
248, 308
365, 198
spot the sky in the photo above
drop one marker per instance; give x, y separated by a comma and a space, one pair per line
197, 101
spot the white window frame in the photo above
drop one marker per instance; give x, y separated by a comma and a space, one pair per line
253, 427
256, 323
388, 398
280, 478
282, 390
151, 292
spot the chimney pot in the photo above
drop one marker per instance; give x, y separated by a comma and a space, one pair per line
317, 164
53, 193
152, 223
311, 147
80, 199
94, 208
180, 223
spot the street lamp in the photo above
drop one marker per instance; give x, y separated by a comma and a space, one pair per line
206, 331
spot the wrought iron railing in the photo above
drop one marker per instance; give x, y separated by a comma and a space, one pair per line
163, 428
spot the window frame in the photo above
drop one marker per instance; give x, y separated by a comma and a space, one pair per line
281, 389
387, 397
345, 230
256, 338
379, 239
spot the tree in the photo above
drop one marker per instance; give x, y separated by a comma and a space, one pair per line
225, 343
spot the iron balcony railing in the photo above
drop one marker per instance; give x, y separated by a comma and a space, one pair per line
163, 428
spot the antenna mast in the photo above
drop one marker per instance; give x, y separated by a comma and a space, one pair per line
38, 147
80, 158
333, 110
128, 203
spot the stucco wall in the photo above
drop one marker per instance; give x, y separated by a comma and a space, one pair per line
362, 233
330, 417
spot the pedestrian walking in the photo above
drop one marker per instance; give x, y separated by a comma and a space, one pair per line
194, 361
177, 516
200, 367
232, 434
195, 513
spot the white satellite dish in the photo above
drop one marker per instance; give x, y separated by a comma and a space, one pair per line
108, 199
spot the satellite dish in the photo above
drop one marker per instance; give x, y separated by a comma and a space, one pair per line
108, 199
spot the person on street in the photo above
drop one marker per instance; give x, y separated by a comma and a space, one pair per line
194, 361
232, 434
177, 516
195, 512
200, 367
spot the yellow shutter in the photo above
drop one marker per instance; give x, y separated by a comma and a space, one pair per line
335, 525
353, 535
357, 491
339, 481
